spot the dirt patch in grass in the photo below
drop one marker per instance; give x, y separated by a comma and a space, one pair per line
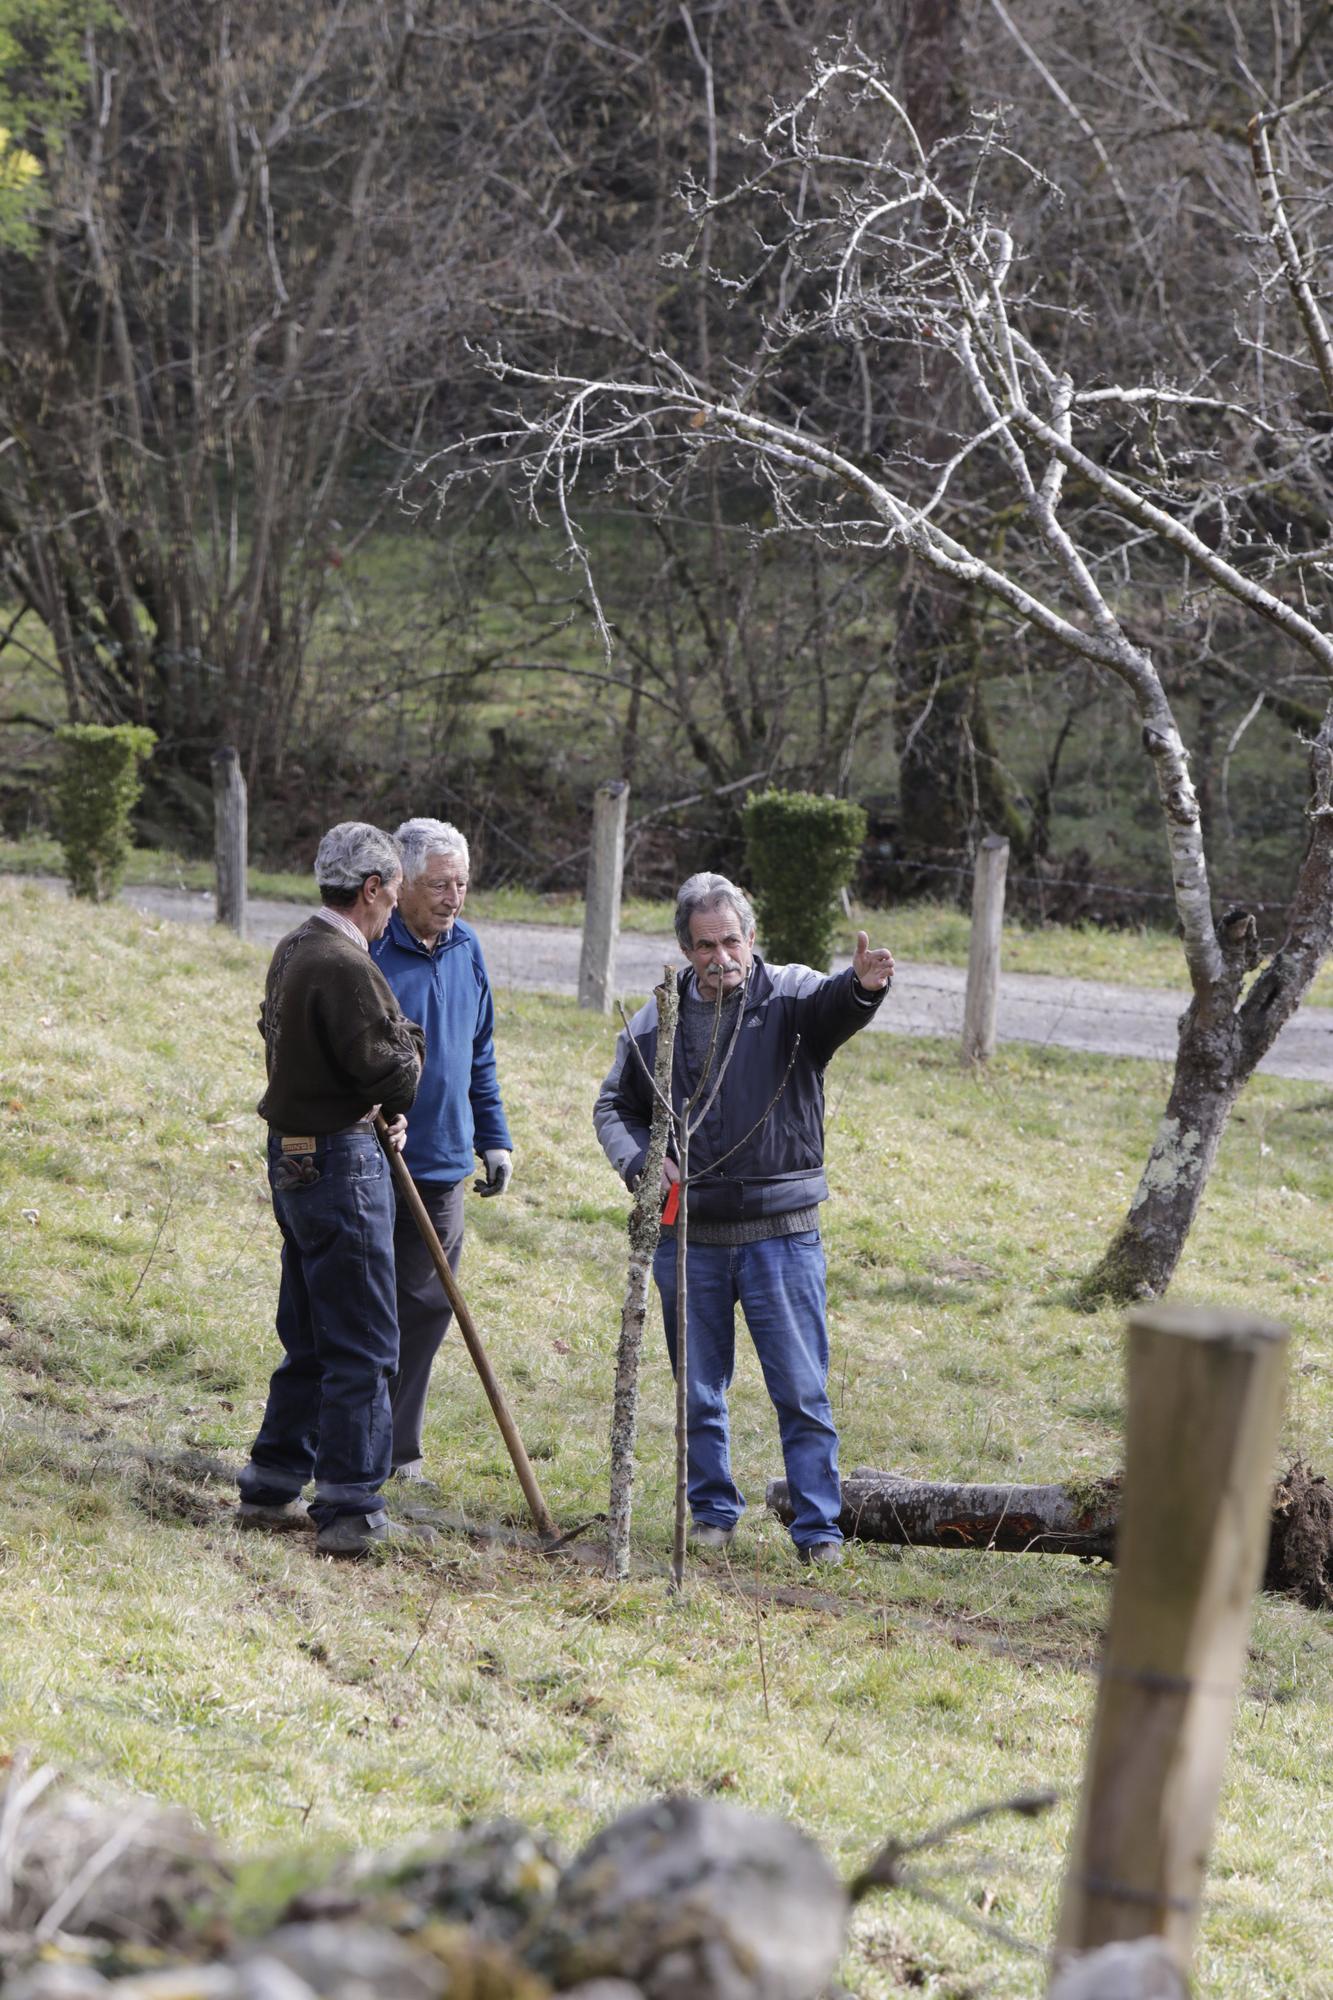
165, 1498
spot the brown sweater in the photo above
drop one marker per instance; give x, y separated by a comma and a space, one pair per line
336, 1041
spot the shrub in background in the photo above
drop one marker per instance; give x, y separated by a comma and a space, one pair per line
96, 792
800, 850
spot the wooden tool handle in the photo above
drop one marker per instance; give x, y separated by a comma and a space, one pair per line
527, 1478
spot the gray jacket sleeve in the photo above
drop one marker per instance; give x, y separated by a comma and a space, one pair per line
623, 1111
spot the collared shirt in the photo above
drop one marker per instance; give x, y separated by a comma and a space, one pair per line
343, 924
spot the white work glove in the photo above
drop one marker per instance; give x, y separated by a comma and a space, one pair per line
499, 1171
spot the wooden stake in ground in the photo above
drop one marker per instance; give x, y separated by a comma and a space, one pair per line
601, 918
645, 1227
527, 1478
981, 1002
230, 838
687, 1124
681, 1508
1205, 1399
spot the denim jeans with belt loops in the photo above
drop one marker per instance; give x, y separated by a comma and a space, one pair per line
779, 1285
328, 1416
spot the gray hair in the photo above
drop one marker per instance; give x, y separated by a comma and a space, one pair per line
704, 892
351, 851
420, 838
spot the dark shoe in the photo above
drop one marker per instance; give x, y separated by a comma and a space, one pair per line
704, 1535
291, 1516
357, 1534
826, 1554
354, 1534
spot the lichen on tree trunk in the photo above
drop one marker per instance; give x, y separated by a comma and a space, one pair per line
1141, 1258
1223, 1039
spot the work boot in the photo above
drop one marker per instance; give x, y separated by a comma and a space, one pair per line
291, 1515
354, 1534
826, 1554
357, 1534
704, 1535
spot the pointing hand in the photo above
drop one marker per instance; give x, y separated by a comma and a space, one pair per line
874, 969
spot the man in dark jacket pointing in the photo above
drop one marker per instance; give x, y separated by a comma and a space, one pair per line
754, 1221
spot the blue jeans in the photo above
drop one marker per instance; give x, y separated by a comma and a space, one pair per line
779, 1285
328, 1416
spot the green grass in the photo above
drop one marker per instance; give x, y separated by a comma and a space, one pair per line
289, 1701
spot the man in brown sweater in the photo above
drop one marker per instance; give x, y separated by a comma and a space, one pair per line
338, 1048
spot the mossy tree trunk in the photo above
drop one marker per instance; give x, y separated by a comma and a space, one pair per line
1141, 1258
1223, 1039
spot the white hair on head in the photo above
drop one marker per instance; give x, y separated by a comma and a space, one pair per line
420, 838
705, 892
351, 851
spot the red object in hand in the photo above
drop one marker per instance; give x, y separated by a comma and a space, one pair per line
671, 1206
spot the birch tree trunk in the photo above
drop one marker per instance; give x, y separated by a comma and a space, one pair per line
910, 243
1223, 1038
1141, 1258
644, 1230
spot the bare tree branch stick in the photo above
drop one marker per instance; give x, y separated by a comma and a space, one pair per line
644, 1232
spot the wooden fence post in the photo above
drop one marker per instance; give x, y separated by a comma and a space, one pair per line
1204, 1405
983, 955
601, 920
230, 838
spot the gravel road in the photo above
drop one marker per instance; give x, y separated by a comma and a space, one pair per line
926, 999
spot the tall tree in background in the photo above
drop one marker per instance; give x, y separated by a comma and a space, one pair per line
1102, 483
244, 285
188, 352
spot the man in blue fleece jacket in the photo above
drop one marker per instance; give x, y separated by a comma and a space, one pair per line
435, 967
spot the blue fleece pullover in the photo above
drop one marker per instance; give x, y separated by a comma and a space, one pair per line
457, 1113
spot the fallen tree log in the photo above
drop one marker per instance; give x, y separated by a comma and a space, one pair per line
1073, 1520
926, 1514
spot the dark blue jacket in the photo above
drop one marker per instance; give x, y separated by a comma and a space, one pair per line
793, 1018
458, 1113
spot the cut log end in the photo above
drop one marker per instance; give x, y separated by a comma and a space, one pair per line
1300, 1546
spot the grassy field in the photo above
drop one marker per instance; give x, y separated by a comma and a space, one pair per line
926, 933
290, 1702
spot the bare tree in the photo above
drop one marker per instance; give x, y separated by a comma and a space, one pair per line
911, 257
262, 238
180, 370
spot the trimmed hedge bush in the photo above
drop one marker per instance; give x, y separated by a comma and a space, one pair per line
800, 850
96, 792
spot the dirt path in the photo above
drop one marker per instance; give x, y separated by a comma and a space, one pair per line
926, 999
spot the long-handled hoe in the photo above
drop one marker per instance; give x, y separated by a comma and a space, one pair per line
527, 1478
